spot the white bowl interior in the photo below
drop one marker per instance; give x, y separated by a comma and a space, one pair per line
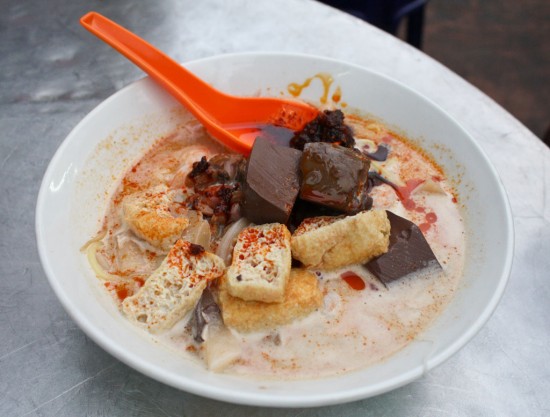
90, 161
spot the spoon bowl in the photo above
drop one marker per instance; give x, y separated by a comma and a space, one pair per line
232, 120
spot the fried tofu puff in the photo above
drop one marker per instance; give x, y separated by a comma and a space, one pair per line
302, 296
147, 214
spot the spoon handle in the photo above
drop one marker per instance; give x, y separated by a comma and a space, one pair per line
229, 119
187, 88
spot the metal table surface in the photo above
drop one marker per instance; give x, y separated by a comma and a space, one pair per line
52, 73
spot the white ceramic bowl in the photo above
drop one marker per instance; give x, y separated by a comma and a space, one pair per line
102, 146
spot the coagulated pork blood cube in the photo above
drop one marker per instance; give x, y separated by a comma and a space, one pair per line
272, 183
408, 252
335, 177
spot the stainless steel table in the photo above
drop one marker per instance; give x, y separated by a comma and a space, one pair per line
52, 72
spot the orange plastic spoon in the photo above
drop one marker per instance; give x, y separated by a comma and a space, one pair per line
229, 119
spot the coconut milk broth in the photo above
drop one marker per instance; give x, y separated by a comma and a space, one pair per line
353, 328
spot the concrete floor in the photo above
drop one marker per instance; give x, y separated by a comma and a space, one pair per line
500, 46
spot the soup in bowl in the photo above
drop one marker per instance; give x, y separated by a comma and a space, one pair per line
275, 279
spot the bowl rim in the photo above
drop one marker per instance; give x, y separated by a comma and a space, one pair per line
269, 399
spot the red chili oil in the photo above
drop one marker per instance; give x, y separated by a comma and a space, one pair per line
405, 191
353, 280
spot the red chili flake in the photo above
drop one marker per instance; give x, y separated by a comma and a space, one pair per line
353, 280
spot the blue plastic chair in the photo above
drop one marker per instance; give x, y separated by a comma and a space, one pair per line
388, 14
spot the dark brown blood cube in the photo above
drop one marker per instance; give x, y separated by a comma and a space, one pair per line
271, 184
335, 177
408, 252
